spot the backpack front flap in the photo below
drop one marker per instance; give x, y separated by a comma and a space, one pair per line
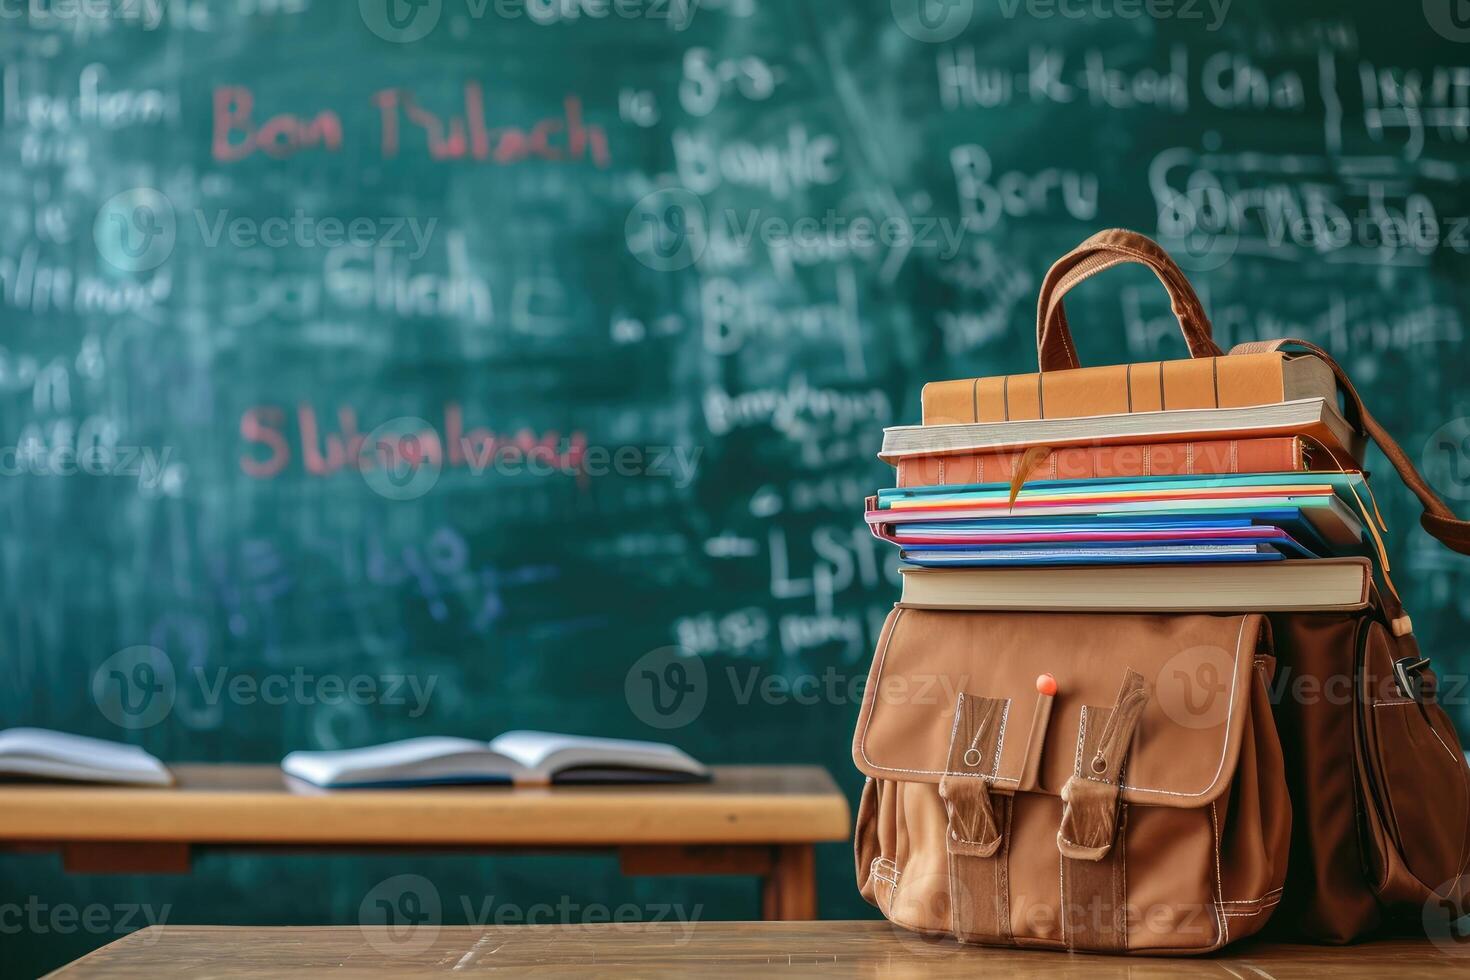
1148, 726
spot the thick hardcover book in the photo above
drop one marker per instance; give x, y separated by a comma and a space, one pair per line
1278, 455
1307, 584
1233, 381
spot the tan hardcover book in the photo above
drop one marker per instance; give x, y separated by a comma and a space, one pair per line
1319, 584
1233, 381
1315, 418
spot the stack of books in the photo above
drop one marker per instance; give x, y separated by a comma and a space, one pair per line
1188, 506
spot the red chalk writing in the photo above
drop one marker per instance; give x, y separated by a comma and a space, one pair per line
469, 131
267, 430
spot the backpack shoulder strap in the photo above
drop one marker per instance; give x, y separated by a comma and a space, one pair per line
1437, 519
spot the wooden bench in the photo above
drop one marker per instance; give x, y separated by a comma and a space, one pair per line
750, 820
671, 949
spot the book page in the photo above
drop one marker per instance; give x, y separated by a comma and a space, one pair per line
406, 759
41, 752
548, 752
76, 750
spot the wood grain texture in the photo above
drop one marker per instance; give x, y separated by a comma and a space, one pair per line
244, 805
673, 949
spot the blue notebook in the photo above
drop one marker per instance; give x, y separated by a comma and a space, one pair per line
950, 555
1301, 532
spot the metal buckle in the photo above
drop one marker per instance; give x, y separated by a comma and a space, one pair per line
1406, 674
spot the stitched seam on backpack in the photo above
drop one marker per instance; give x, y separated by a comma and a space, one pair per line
1000, 739
1248, 901
1259, 911
1219, 887
881, 864
1121, 871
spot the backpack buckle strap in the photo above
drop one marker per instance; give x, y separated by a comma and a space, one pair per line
974, 756
1090, 796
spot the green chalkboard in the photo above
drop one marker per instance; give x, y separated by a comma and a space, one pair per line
381, 369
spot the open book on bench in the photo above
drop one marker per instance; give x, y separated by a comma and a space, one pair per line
38, 753
521, 757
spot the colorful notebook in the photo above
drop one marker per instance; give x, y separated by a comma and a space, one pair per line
1244, 517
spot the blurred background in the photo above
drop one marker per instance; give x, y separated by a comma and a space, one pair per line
654, 274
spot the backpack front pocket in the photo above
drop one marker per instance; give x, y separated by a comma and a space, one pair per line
1134, 801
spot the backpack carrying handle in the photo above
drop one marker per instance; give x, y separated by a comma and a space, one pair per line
1102, 251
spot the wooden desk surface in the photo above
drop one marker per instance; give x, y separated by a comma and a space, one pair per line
258, 805
672, 949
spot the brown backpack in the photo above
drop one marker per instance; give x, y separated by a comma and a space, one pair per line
1170, 797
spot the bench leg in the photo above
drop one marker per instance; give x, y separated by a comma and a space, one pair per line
788, 872
789, 892
106, 857
695, 859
